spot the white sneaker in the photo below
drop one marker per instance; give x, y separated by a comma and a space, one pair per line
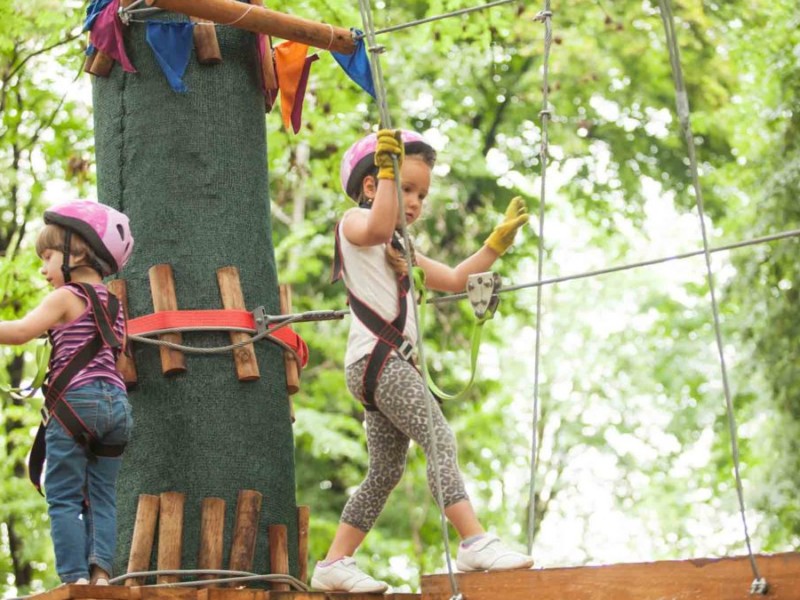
490, 554
81, 581
101, 581
344, 575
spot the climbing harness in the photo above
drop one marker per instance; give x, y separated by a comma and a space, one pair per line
57, 384
389, 334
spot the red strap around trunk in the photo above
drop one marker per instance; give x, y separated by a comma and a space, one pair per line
212, 319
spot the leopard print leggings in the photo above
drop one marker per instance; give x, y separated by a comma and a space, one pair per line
402, 415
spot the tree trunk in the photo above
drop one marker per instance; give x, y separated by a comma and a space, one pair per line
190, 172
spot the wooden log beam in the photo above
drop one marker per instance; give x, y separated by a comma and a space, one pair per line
263, 20
245, 529
699, 579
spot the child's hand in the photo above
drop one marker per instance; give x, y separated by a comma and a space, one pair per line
503, 235
389, 144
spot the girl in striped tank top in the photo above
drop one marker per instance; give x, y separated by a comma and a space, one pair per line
81, 243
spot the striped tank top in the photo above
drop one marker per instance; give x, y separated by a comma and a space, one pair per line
67, 339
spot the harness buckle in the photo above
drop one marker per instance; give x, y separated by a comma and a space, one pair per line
45, 416
482, 291
261, 319
405, 350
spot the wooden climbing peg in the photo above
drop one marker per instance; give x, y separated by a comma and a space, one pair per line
170, 535
244, 357
162, 289
243, 545
144, 534
212, 529
278, 555
125, 363
206, 45
289, 363
303, 517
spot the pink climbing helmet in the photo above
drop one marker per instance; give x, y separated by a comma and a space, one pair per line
106, 230
360, 158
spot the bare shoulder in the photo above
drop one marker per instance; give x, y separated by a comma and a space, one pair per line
68, 301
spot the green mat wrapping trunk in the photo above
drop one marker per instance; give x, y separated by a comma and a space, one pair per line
190, 172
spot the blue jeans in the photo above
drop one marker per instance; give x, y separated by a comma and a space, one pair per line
81, 492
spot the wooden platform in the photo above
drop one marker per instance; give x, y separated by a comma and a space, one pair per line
707, 579
113, 592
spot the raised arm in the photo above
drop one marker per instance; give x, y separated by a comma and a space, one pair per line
443, 278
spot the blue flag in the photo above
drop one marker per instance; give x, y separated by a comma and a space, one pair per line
356, 65
94, 8
172, 45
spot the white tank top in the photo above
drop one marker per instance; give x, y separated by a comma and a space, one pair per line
367, 274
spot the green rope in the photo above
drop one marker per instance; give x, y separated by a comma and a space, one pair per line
42, 357
475, 343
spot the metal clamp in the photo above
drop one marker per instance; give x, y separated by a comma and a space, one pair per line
261, 319
759, 586
482, 291
405, 350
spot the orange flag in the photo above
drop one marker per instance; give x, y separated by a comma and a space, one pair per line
292, 68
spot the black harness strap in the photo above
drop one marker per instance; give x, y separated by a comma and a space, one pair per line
390, 334
104, 317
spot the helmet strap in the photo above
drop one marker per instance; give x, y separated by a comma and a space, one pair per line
65, 268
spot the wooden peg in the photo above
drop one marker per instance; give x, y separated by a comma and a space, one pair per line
212, 531
289, 363
101, 65
125, 363
162, 289
278, 555
144, 533
243, 545
206, 45
244, 357
170, 535
303, 517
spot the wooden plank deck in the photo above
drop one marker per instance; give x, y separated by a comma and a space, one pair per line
113, 592
706, 579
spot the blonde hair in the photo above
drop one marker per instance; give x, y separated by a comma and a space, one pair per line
51, 237
397, 258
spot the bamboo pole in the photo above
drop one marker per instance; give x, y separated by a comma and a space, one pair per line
212, 531
244, 357
278, 555
125, 363
144, 533
289, 364
262, 20
206, 45
162, 289
303, 518
243, 545
170, 535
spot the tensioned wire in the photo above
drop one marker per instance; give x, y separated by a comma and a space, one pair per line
380, 96
682, 105
545, 17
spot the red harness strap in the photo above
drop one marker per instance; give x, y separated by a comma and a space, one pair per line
213, 319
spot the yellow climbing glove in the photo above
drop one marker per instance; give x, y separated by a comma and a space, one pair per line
503, 235
389, 144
